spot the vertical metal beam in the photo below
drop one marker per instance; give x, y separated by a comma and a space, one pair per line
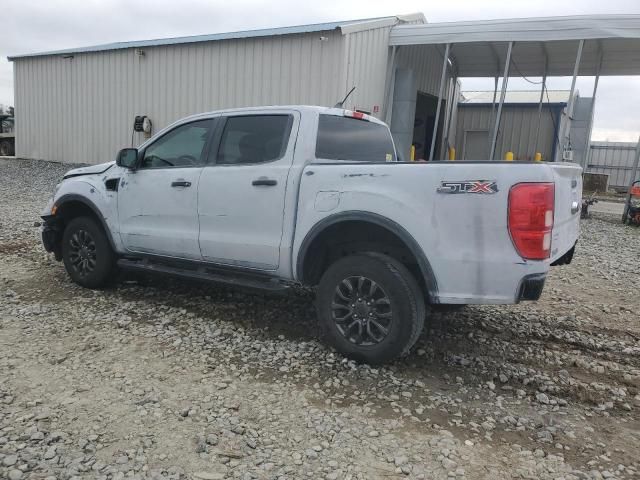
571, 102
492, 117
451, 99
443, 75
587, 142
387, 107
505, 79
495, 93
537, 137
542, 90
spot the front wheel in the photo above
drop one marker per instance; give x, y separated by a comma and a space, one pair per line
87, 254
370, 307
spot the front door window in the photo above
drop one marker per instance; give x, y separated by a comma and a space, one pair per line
181, 147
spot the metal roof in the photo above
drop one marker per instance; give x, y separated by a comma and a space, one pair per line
516, 97
479, 47
346, 26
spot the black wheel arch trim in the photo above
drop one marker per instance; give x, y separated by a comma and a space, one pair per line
376, 219
74, 197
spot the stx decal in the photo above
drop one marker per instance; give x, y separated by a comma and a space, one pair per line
469, 186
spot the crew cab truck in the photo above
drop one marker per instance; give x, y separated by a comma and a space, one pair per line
277, 196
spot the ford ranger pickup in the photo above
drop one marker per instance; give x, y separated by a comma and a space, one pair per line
274, 197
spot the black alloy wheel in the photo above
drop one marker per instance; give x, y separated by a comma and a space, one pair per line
87, 253
370, 307
82, 252
361, 311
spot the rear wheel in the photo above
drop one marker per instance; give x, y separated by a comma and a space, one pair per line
86, 253
370, 307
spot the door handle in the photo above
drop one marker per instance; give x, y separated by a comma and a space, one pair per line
180, 183
266, 182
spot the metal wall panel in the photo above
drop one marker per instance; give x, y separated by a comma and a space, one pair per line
367, 57
615, 159
368, 54
81, 109
517, 131
426, 61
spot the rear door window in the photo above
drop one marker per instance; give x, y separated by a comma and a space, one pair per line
254, 139
354, 140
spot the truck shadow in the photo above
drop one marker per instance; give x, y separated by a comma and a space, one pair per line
512, 347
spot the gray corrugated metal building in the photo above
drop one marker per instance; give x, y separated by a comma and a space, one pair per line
524, 129
614, 159
78, 105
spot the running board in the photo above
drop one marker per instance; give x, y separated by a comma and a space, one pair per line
205, 273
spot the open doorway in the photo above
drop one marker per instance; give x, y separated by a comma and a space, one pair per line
425, 118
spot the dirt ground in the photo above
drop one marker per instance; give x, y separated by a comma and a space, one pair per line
157, 378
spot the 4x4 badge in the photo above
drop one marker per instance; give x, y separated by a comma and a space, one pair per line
469, 186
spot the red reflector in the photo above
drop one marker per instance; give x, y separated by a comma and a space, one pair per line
531, 219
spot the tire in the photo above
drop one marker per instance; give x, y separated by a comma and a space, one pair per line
381, 326
86, 253
5, 148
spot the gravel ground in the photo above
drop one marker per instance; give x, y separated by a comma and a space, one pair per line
160, 379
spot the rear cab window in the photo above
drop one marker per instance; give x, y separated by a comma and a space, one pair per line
353, 140
251, 139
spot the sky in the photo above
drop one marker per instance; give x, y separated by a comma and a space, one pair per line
36, 25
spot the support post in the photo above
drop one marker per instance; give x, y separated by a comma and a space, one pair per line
634, 172
438, 107
542, 90
492, 117
537, 137
571, 102
505, 78
587, 143
448, 118
387, 108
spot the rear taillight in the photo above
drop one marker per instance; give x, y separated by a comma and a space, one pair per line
531, 219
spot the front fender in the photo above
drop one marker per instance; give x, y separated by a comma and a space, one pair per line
92, 193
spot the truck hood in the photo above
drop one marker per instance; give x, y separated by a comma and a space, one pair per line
92, 170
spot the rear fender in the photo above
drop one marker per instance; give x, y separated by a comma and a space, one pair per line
379, 220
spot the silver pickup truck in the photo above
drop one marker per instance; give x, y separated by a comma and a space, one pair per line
279, 196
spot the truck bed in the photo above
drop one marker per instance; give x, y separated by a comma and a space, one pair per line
464, 235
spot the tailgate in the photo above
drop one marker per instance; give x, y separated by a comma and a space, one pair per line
568, 199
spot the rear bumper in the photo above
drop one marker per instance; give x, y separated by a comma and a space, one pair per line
531, 287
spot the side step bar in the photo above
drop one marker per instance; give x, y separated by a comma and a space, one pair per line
205, 273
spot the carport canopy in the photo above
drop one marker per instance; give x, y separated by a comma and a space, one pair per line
478, 48
592, 45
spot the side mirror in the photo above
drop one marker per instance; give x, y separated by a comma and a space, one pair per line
127, 158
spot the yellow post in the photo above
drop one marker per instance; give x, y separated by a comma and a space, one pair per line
412, 155
508, 156
452, 154
538, 157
